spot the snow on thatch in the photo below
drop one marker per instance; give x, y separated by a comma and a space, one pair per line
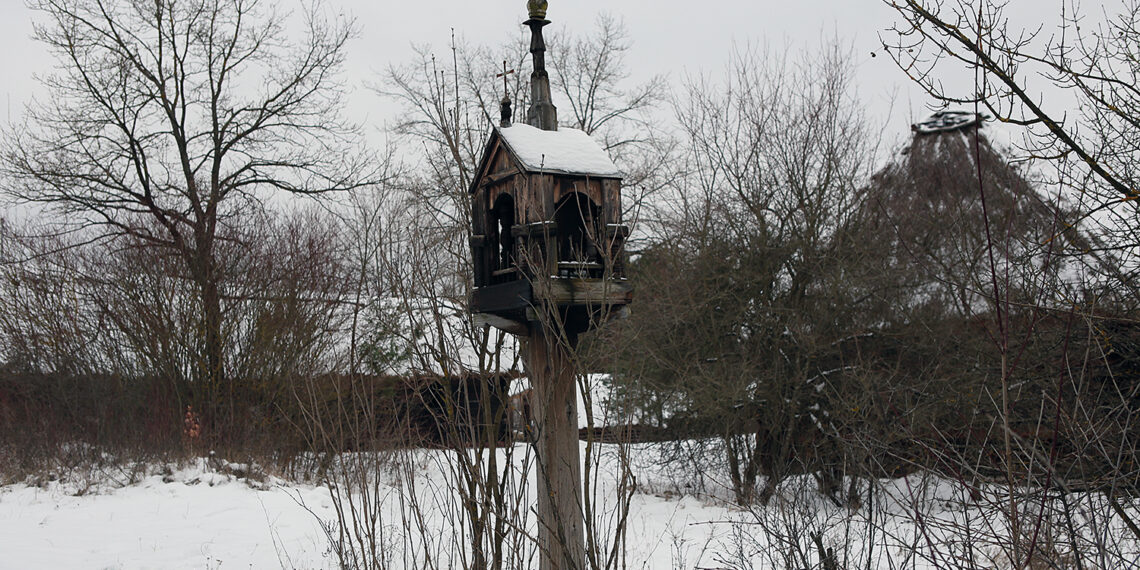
947, 121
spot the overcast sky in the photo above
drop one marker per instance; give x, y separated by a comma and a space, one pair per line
671, 37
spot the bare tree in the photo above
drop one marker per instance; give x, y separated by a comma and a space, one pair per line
168, 121
591, 81
591, 76
748, 297
1074, 86
47, 325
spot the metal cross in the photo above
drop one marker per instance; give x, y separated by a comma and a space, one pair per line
504, 75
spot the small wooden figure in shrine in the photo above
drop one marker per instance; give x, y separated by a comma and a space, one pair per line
547, 245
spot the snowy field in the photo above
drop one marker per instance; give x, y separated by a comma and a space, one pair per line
206, 517
211, 515
194, 518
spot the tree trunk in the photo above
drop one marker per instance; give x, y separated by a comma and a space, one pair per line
213, 394
212, 352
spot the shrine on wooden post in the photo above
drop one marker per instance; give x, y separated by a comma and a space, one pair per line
547, 242
547, 228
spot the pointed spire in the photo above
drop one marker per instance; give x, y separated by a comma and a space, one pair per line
542, 113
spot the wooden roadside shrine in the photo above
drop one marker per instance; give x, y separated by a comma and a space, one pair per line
547, 246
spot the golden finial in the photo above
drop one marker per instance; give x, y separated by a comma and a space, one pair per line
537, 9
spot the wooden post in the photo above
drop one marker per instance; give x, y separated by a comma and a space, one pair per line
550, 366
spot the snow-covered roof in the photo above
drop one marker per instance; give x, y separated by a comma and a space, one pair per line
565, 151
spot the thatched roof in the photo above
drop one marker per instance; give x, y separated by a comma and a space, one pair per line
926, 212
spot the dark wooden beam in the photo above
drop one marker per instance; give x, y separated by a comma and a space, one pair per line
503, 297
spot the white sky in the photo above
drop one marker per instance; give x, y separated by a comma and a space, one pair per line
670, 37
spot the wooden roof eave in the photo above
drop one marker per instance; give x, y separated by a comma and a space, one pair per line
494, 142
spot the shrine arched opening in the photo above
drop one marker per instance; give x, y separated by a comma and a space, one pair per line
576, 216
501, 222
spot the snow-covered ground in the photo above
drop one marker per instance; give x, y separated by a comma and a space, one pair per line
205, 516
195, 517
212, 515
